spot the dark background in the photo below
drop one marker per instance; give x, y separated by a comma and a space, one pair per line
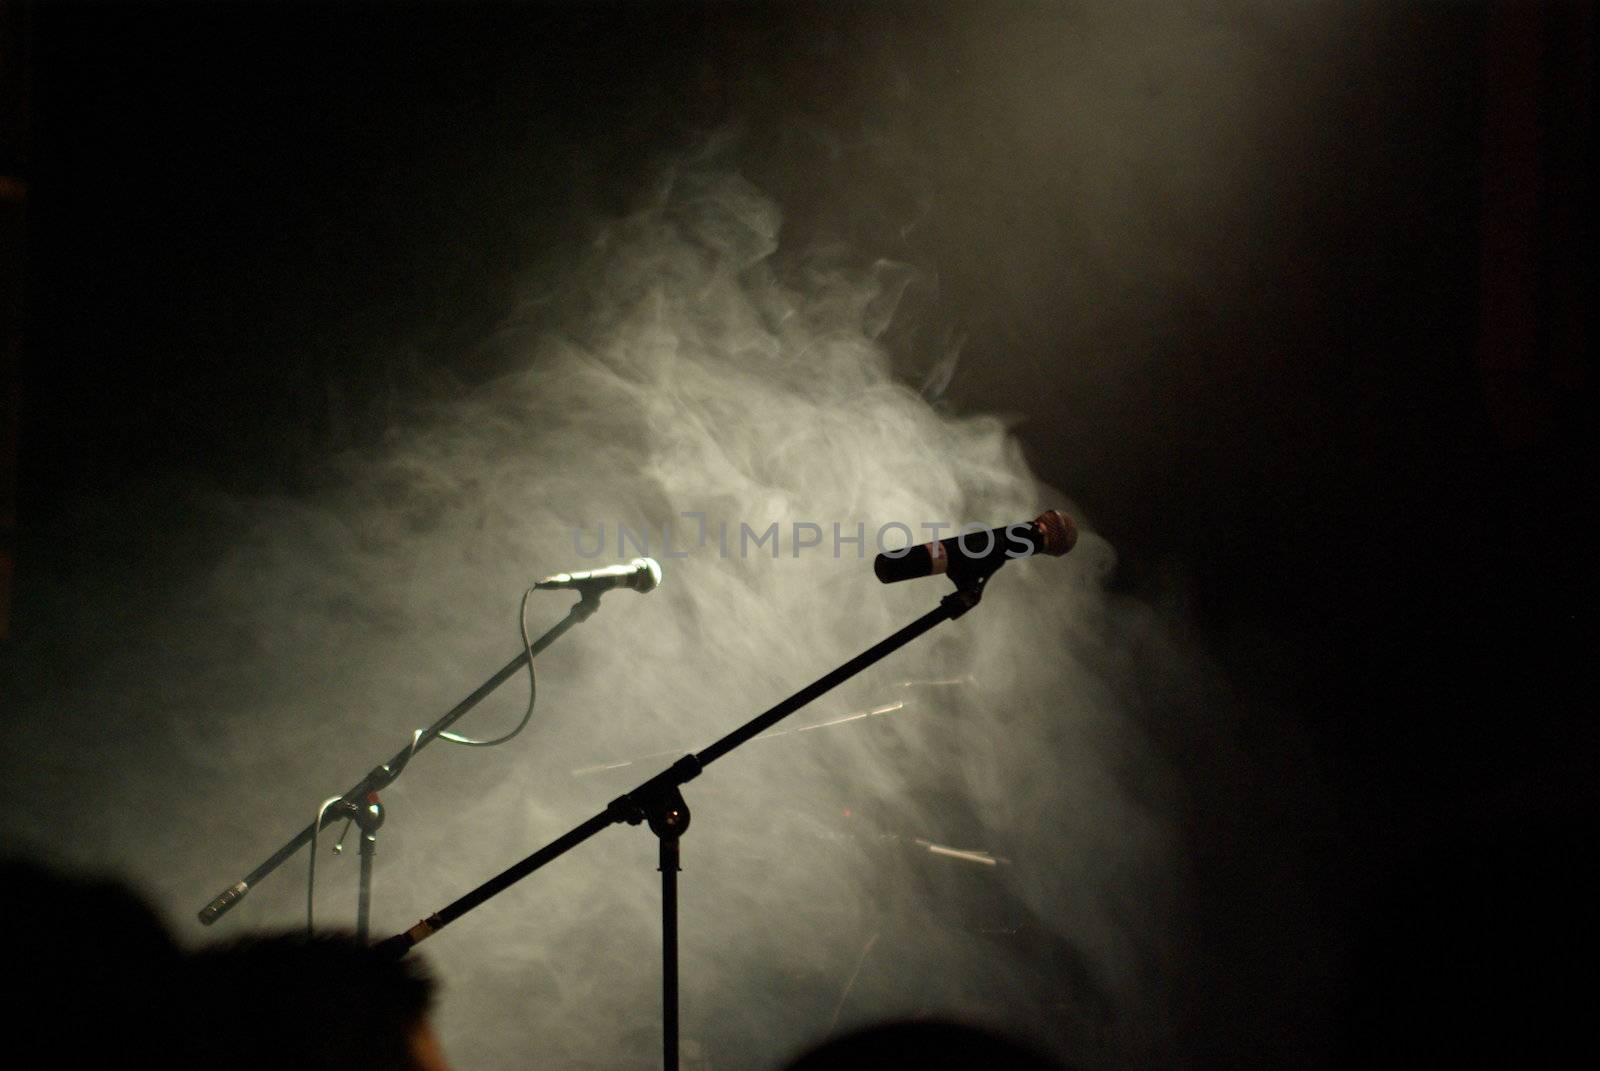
1352, 431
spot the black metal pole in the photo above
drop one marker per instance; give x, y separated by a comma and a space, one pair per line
950, 607
659, 802
660, 794
669, 951
380, 776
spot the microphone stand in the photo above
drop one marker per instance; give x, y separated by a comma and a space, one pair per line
659, 803
361, 804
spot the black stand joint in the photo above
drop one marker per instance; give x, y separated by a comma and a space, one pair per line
659, 804
658, 801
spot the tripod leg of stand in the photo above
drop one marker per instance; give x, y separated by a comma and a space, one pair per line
669, 951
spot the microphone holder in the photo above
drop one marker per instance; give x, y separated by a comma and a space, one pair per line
659, 803
361, 804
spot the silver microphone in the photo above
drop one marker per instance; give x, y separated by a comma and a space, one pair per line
641, 575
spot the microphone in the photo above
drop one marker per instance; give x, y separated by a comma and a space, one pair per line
980, 553
641, 574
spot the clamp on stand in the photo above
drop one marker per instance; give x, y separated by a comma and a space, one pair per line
368, 817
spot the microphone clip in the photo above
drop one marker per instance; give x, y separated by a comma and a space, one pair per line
967, 594
970, 576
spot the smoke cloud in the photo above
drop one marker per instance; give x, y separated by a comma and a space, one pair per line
683, 361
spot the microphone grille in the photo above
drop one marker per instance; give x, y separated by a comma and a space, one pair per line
648, 577
1060, 534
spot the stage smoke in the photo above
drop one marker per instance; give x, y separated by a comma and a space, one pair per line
998, 846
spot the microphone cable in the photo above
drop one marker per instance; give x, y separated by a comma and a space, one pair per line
533, 688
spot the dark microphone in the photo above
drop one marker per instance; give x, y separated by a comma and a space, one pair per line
641, 574
980, 553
